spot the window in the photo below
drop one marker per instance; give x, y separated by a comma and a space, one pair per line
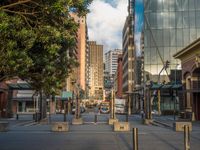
185, 19
153, 56
178, 5
185, 4
193, 35
191, 4
173, 37
192, 19
185, 37
197, 18
172, 20
179, 19
197, 4
166, 37
179, 37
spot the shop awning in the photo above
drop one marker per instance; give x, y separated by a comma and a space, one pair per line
165, 86
22, 99
20, 86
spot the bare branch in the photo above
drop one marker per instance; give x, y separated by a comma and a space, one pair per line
21, 14
14, 4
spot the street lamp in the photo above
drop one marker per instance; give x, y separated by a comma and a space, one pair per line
176, 92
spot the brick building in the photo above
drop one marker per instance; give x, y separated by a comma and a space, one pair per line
190, 60
3, 99
119, 77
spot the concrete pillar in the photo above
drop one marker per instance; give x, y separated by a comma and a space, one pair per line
188, 95
129, 104
23, 106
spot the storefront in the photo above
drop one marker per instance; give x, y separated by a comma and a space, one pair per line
190, 60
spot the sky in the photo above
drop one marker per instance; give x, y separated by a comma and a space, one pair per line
106, 21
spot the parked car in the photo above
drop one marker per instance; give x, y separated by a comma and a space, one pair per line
82, 109
73, 109
105, 107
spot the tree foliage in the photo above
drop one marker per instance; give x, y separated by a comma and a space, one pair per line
38, 40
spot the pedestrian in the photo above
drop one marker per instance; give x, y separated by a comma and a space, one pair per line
142, 114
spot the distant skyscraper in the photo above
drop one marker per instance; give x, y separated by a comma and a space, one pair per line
169, 25
96, 70
111, 61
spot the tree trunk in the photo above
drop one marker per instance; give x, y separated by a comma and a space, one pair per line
42, 106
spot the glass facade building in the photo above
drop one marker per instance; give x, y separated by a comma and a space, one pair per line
169, 25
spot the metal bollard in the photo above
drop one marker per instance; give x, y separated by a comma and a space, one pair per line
186, 137
135, 138
65, 117
127, 117
95, 118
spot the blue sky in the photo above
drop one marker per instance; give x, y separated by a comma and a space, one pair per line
139, 11
106, 20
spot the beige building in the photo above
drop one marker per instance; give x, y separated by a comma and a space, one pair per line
96, 70
79, 74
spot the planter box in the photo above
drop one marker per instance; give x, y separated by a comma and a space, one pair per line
112, 121
4, 126
60, 126
77, 121
179, 126
121, 126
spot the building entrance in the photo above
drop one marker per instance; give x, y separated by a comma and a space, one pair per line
197, 106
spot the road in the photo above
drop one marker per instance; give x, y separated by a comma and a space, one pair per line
25, 134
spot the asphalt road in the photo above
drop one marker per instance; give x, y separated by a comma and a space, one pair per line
25, 134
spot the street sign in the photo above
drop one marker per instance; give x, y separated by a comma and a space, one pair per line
66, 95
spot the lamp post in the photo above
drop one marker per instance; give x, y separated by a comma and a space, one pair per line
175, 92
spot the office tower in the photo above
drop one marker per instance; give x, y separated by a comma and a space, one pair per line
96, 70
79, 74
169, 25
128, 50
111, 58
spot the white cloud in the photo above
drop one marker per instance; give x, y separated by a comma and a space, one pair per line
105, 23
137, 43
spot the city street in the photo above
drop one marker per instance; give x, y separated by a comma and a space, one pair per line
25, 134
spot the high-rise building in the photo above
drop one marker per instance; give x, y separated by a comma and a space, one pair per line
96, 70
128, 50
87, 67
111, 61
130, 59
79, 74
169, 25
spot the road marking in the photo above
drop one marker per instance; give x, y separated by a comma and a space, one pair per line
22, 123
31, 124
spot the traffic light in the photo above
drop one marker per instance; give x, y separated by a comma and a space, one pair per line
167, 63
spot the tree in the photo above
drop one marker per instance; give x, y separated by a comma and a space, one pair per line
38, 41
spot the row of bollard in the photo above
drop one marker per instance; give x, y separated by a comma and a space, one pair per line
186, 138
